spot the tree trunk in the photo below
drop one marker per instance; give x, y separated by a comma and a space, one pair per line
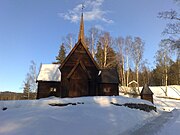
127, 79
28, 94
166, 80
137, 77
105, 55
178, 83
92, 45
123, 72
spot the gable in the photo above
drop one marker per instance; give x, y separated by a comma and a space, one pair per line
78, 66
79, 53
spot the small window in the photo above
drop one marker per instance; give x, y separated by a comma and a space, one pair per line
107, 90
53, 89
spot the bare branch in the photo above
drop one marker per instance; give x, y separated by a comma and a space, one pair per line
173, 15
172, 29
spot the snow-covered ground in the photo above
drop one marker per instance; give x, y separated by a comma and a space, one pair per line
172, 127
173, 91
96, 116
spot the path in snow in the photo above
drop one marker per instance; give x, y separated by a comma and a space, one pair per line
173, 126
154, 127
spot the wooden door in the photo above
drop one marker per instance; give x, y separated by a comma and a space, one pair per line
78, 83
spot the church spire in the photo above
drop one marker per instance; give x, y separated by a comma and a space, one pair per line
81, 30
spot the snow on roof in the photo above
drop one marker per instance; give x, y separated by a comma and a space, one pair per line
49, 72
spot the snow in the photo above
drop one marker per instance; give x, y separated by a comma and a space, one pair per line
173, 91
49, 72
95, 117
172, 127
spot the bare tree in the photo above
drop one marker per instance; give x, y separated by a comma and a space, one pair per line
128, 45
172, 28
145, 71
163, 58
69, 41
105, 54
119, 42
93, 39
137, 53
32, 75
30, 85
106, 42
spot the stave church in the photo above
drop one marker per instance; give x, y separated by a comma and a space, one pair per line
78, 75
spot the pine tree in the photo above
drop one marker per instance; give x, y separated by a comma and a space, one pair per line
26, 89
62, 55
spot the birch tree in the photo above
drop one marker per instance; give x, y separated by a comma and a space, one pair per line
105, 54
128, 45
172, 29
119, 42
137, 53
93, 39
30, 85
105, 41
163, 58
69, 41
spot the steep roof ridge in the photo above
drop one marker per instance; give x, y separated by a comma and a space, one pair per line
81, 29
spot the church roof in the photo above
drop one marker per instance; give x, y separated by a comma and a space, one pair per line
81, 29
146, 90
49, 72
80, 41
109, 75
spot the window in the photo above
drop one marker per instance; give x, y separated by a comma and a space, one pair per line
107, 90
52, 89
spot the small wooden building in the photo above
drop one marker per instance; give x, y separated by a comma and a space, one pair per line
49, 81
146, 93
78, 75
108, 82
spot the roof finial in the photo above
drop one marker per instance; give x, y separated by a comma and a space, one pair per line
81, 30
83, 7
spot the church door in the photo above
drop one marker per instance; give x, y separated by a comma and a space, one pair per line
78, 83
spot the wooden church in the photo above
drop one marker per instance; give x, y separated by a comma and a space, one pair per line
78, 75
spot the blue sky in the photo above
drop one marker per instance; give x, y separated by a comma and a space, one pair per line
33, 29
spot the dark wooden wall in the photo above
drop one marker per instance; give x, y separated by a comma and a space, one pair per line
108, 89
79, 55
148, 97
44, 89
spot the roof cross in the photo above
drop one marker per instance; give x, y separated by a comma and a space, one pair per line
81, 29
82, 7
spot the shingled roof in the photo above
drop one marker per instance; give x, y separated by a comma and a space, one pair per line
146, 90
108, 76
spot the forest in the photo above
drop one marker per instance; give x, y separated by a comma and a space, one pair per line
126, 53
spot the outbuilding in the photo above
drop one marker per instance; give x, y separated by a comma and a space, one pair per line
146, 93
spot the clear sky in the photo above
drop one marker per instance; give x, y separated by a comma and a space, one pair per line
33, 29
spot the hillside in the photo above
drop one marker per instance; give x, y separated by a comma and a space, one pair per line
91, 116
79, 116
